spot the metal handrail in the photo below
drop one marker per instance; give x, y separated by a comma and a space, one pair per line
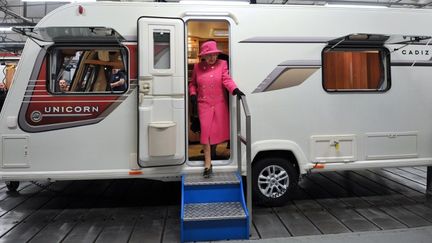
246, 141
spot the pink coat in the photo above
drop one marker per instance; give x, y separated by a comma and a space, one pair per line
209, 83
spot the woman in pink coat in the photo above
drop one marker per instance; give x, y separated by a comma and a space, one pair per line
210, 79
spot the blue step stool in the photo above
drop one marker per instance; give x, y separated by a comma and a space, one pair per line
213, 208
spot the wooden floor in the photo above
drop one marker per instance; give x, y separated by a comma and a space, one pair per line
148, 211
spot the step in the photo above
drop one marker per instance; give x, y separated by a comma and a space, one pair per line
217, 178
221, 187
213, 211
213, 208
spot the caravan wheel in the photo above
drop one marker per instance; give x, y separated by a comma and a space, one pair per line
12, 186
273, 181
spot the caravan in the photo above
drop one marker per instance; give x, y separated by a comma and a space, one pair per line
327, 88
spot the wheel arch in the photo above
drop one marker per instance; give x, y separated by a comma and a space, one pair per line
283, 149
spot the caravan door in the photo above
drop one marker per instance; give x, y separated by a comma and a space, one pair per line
161, 105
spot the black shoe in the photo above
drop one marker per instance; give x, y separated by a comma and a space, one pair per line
208, 171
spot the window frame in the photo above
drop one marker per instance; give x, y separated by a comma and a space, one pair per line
90, 46
169, 32
385, 67
155, 28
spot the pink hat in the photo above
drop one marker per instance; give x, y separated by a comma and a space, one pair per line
209, 47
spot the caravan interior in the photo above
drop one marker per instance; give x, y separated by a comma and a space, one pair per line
200, 31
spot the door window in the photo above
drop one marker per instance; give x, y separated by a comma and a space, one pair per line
161, 49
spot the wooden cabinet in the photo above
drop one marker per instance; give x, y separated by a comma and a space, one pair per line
193, 50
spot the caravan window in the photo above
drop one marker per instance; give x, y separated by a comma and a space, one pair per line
87, 70
349, 69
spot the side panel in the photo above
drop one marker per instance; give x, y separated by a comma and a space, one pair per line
96, 150
43, 111
387, 126
161, 108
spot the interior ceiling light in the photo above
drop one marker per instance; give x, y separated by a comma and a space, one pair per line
220, 33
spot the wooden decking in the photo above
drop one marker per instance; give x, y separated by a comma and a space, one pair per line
148, 211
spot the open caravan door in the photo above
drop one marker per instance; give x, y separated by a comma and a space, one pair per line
161, 107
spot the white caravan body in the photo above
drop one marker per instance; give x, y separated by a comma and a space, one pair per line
142, 132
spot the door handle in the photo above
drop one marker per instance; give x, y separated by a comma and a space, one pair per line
145, 84
144, 87
335, 144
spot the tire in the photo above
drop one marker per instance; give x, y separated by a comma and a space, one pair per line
267, 188
12, 186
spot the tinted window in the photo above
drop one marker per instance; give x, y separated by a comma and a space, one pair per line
88, 70
161, 49
356, 69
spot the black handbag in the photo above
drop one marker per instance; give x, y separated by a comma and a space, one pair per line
195, 122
